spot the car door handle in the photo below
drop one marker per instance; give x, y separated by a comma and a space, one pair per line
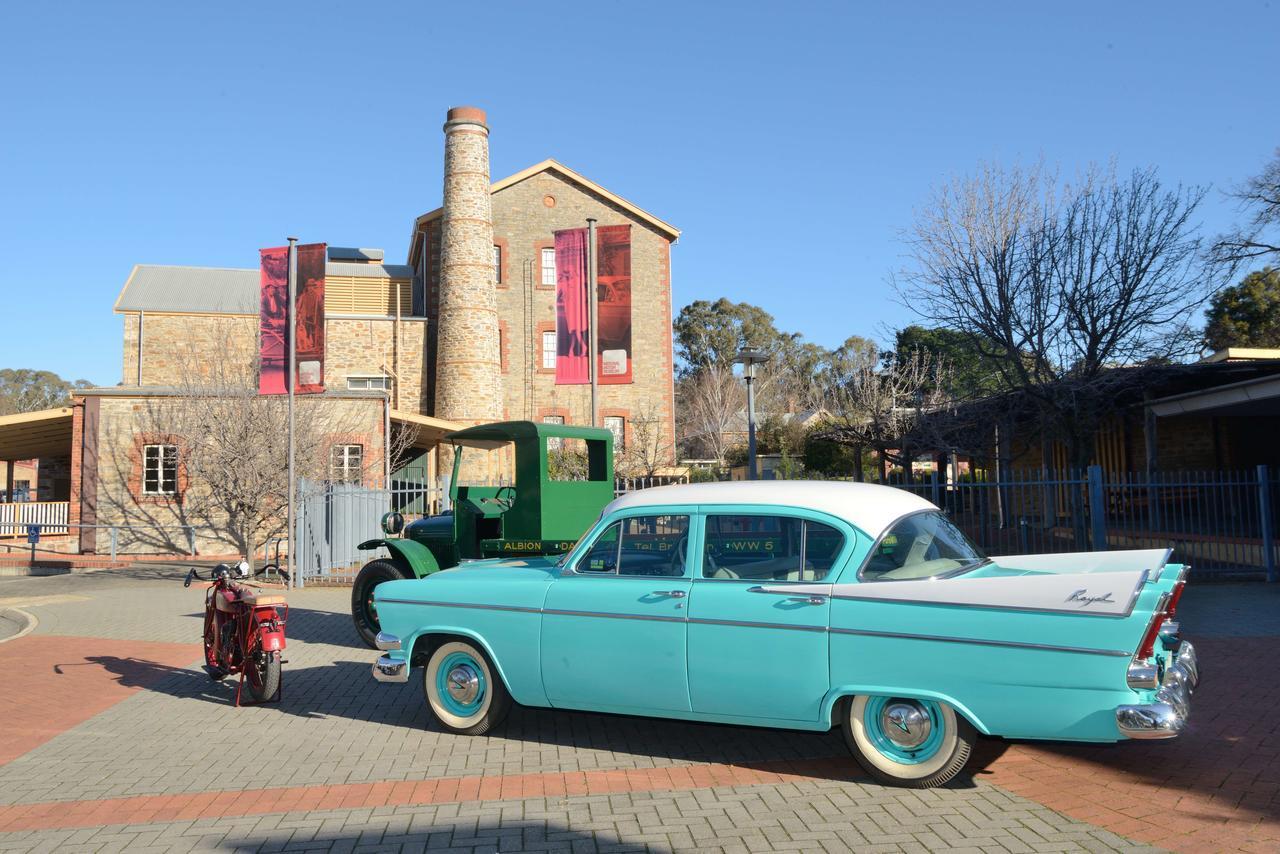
808, 599
674, 594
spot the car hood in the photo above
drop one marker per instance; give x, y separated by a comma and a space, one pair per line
502, 582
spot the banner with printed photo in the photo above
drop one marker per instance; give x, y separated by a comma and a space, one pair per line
273, 321
613, 305
572, 310
309, 324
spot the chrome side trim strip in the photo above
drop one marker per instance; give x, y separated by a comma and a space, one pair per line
660, 618
982, 642
516, 608
766, 625
756, 625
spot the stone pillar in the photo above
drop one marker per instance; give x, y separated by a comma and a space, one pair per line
468, 367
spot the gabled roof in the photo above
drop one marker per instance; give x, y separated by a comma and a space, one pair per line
550, 165
219, 290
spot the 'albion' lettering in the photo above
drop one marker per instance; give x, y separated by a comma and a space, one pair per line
1082, 596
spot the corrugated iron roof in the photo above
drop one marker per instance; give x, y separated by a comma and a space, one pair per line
219, 290
348, 253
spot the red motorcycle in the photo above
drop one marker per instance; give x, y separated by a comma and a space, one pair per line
243, 630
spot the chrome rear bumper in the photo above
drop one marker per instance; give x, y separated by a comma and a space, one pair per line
388, 669
1167, 716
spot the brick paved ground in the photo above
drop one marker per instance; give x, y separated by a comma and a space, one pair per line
333, 752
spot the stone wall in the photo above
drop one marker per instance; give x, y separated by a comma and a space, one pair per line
156, 524
526, 215
353, 346
173, 342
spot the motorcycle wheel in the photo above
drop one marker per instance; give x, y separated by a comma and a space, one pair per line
216, 673
262, 674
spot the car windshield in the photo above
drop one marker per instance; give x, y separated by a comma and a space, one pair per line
564, 557
922, 545
485, 464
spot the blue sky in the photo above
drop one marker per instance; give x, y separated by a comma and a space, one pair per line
790, 141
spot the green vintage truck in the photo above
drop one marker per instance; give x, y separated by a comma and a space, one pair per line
563, 479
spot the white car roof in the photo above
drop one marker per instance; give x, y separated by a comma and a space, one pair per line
867, 506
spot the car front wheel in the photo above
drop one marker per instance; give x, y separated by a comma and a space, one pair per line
463, 691
904, 741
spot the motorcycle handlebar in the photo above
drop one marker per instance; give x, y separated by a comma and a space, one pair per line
223, 569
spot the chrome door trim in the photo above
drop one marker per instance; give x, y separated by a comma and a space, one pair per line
754, 624
660, 618
479, 607
982, 642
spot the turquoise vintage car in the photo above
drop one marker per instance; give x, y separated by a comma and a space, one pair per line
804, 605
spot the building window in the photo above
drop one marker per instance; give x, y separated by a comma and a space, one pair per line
382, 383
548, 266
159, 469
497, 264
347, 464
617, 425
554, 443
549, 350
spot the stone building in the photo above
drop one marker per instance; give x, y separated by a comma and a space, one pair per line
463, 332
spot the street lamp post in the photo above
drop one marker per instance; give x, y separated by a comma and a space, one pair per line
749, 359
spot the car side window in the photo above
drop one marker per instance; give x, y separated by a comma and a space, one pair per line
768, 548
639, 546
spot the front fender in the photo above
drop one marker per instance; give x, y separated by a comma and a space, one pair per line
413, 554
523, 697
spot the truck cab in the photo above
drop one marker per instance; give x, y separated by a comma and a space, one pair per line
517, 489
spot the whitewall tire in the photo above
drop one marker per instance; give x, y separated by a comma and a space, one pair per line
463, 691
905, 741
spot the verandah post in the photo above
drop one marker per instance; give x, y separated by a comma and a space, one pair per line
1264, 512
1097, 510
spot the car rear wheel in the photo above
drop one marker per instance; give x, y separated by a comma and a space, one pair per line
363, 611
463, 692
905, 741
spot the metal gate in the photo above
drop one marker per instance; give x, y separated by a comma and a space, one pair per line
335, 518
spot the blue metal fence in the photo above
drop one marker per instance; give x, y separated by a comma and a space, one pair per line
1222, 523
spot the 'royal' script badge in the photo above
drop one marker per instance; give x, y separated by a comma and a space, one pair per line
1082, 596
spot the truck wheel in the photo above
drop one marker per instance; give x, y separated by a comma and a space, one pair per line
363, 611
463, 692
902, 741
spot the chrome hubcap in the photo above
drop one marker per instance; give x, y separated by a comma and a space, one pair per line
905, 723
463, 684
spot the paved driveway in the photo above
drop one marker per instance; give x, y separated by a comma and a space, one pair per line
114, 739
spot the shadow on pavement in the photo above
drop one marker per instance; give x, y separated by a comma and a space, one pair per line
325, 691
447, 834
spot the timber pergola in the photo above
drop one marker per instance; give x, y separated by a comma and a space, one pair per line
33, 435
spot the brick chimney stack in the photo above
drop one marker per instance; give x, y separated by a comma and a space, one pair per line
468, 362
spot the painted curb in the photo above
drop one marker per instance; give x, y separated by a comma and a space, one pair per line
25, 617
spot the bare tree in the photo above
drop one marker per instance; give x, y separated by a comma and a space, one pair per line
1055, 283
711, 402
881, 408
1259, 236
231, 446
648, 448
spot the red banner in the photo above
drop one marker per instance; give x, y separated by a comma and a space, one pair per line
273, 321
572, 311
308, 326
613, 306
